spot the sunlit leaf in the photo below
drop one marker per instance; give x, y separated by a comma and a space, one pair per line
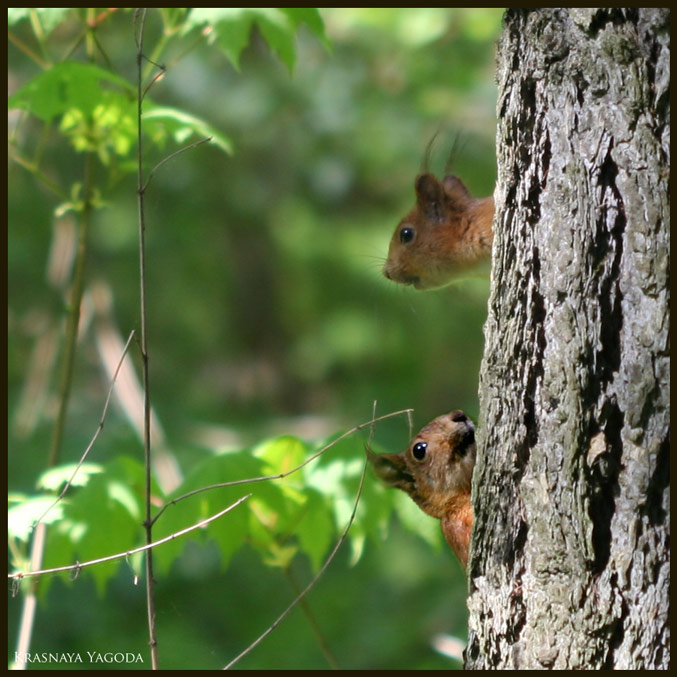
49, 17
316, 528
16, 14
101, 517
53, 479
414, 519
117, 491
22, 517
108, 525
357, 542
279, 555
181, 125
281, 454
229, 531
66, 86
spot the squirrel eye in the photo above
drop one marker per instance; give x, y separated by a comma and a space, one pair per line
419, 450
406, 234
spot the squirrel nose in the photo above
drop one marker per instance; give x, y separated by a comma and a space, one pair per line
458, 416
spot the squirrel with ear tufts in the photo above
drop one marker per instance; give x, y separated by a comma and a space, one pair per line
446, 233
436, 471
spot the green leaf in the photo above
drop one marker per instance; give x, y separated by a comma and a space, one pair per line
67, 86
376, 507
99, 519
281, 454
103, 519
232, 28
111, 127
22, 516
59, 551
103, 120
53, 479
180, 125
310, 16
97, 108
281, 518
316, 528
16, 14
230, 531
49, 17
280, 34
337, 475
416, 521
121, 493
279, 555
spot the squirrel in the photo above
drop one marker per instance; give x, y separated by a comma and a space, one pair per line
436, 471
447, 232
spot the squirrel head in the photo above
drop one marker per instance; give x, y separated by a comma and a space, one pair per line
445, 233
436, 471
436, 468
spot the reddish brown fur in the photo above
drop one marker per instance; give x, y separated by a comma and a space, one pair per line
438, 478
452, 231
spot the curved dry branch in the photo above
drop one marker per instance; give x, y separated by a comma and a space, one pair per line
96, 434
18, 575
312, 583
280, 476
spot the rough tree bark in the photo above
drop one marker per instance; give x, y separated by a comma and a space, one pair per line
569, 565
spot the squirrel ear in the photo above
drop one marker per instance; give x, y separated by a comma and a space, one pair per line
428, 190
429, 195
392, 469
455, 188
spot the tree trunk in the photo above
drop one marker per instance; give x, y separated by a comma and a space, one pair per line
569, 567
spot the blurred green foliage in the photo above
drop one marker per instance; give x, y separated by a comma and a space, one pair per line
270, 325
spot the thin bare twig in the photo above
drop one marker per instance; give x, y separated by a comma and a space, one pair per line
280, 476
81, 565
96, 434
139, 25
40, 175
312, 621
310, 585
172, 155
303, 603
155, 78
27, 50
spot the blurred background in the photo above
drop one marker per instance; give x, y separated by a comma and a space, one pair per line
268, 314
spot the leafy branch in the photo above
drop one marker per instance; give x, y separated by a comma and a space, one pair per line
19, 575
67, 366
105, 116
314, 580
279, 476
